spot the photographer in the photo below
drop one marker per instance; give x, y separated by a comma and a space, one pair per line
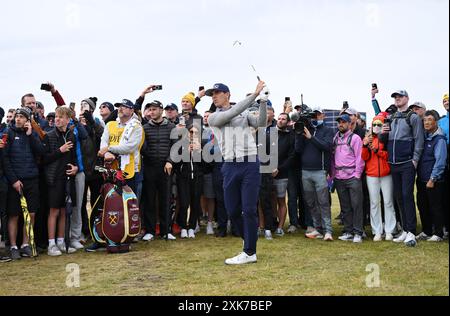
314, 146
21, 169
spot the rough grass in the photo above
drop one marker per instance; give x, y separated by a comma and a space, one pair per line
288, 266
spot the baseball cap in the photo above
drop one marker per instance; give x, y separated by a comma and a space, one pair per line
419, 105
171, 106
344, 117
155, 104
401, 93
125, 103
318, 109
51, 114
217, 87
350, 112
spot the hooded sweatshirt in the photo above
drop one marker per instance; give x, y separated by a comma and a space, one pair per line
377, 165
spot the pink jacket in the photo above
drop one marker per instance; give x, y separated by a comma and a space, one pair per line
346, 160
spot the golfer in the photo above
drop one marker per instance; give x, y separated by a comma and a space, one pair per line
241, 168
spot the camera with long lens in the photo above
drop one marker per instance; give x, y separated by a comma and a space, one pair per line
302, 119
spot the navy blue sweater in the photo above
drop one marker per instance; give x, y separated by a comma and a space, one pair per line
315, 152
19, 158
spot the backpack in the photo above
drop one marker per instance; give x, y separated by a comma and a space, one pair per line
348, 143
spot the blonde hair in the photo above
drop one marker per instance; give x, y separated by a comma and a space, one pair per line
64, 111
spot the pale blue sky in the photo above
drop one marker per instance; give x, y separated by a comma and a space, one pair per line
330, 51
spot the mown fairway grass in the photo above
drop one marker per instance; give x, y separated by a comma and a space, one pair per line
291, 265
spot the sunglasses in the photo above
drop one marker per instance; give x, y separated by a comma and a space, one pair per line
377, 125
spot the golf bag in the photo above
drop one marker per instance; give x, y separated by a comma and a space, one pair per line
118, 222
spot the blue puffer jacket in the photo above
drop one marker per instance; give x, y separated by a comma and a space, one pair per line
19, 156
405, 139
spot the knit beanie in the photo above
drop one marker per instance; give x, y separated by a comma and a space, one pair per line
91, 103
190, 97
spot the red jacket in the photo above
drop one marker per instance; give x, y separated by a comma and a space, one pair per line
377, 165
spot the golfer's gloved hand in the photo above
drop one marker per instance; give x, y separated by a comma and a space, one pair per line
264, 95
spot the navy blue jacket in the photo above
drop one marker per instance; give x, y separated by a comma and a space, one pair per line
434, 157
19, 156
315, 152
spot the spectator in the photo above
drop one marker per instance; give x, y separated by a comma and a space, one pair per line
3, 185
354, 126
10, 116
108, 112
315, 146
209, 197
430, 180
190, 183
51, 121
378, 172
19, 160
347, 167
172, 114
443, 124
266, 216
61, 166
157, 171
90, 146
241, 168
286, 156
188, 103
419, 108
405, 147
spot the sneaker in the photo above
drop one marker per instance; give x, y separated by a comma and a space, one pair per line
346, 237
328, 237
170, 237
377, 238
15, 254
268, 235
292, 229
4, 259
410, 240
435, 239
95, 247
242, 258
77, 245
357, 239
389, 237
53, 251
184, 234
197, 229
314, 235
191, 233
309, 230
221, 233
62, 247
422, 236
26, 252
279, 232
176, 229
209, 229
401, 238
148, 237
